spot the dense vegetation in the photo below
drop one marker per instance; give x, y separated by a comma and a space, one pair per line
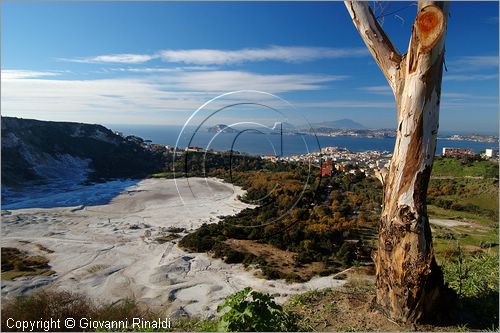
333, 220
297, 211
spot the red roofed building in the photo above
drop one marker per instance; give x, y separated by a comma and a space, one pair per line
326, 169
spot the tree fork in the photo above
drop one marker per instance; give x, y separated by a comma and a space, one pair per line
409, 281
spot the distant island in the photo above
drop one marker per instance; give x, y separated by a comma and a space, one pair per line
346, 127
339, 124
221, 128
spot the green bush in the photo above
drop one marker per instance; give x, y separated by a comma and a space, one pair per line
203, 239
347, 253
474, 277
252, 311
59, 305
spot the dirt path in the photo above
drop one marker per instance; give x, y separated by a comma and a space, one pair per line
452, 223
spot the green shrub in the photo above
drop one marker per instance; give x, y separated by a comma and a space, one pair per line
47, 305
226, 253
474, 277
203, 239
252, 311
347, 253
59, 305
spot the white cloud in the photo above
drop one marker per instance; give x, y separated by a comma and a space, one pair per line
464, 96
160, 69
8, 74
469, 105
136, 99
275, 53
293, 54
455, 95
126, 58
448, 103
348, 104
475, 62
469, 77
378, 90
223, 81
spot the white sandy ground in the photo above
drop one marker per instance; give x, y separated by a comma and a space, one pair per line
450, 223
105, 252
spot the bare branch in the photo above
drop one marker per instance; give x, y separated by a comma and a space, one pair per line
379, 45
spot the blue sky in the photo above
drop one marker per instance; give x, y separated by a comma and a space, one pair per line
157, 62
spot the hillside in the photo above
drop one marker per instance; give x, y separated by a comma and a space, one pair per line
44, 151
333, 229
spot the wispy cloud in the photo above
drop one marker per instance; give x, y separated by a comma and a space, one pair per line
378, 90
455, 95
467, 101
470, 105
470, 77
126, 58
8, 74
466, 96
105, 100
223, 81
148, 70
274, 53
491, 20
475, 62
451, 101
348, 104
292, 54
477, 67
121, 99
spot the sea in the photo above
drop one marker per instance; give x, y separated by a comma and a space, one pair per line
260, 143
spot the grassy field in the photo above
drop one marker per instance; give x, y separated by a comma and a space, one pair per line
453, 167
465, 191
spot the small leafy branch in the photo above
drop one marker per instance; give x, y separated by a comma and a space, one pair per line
249, 310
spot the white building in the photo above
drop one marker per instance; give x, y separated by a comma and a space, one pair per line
491, 152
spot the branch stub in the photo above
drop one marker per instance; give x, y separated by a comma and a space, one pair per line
430, 25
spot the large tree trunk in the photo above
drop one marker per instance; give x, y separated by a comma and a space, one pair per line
408, 278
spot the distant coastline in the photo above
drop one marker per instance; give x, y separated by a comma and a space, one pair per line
473, 138
258, 144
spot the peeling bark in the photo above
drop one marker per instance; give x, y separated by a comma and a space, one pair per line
408, 278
